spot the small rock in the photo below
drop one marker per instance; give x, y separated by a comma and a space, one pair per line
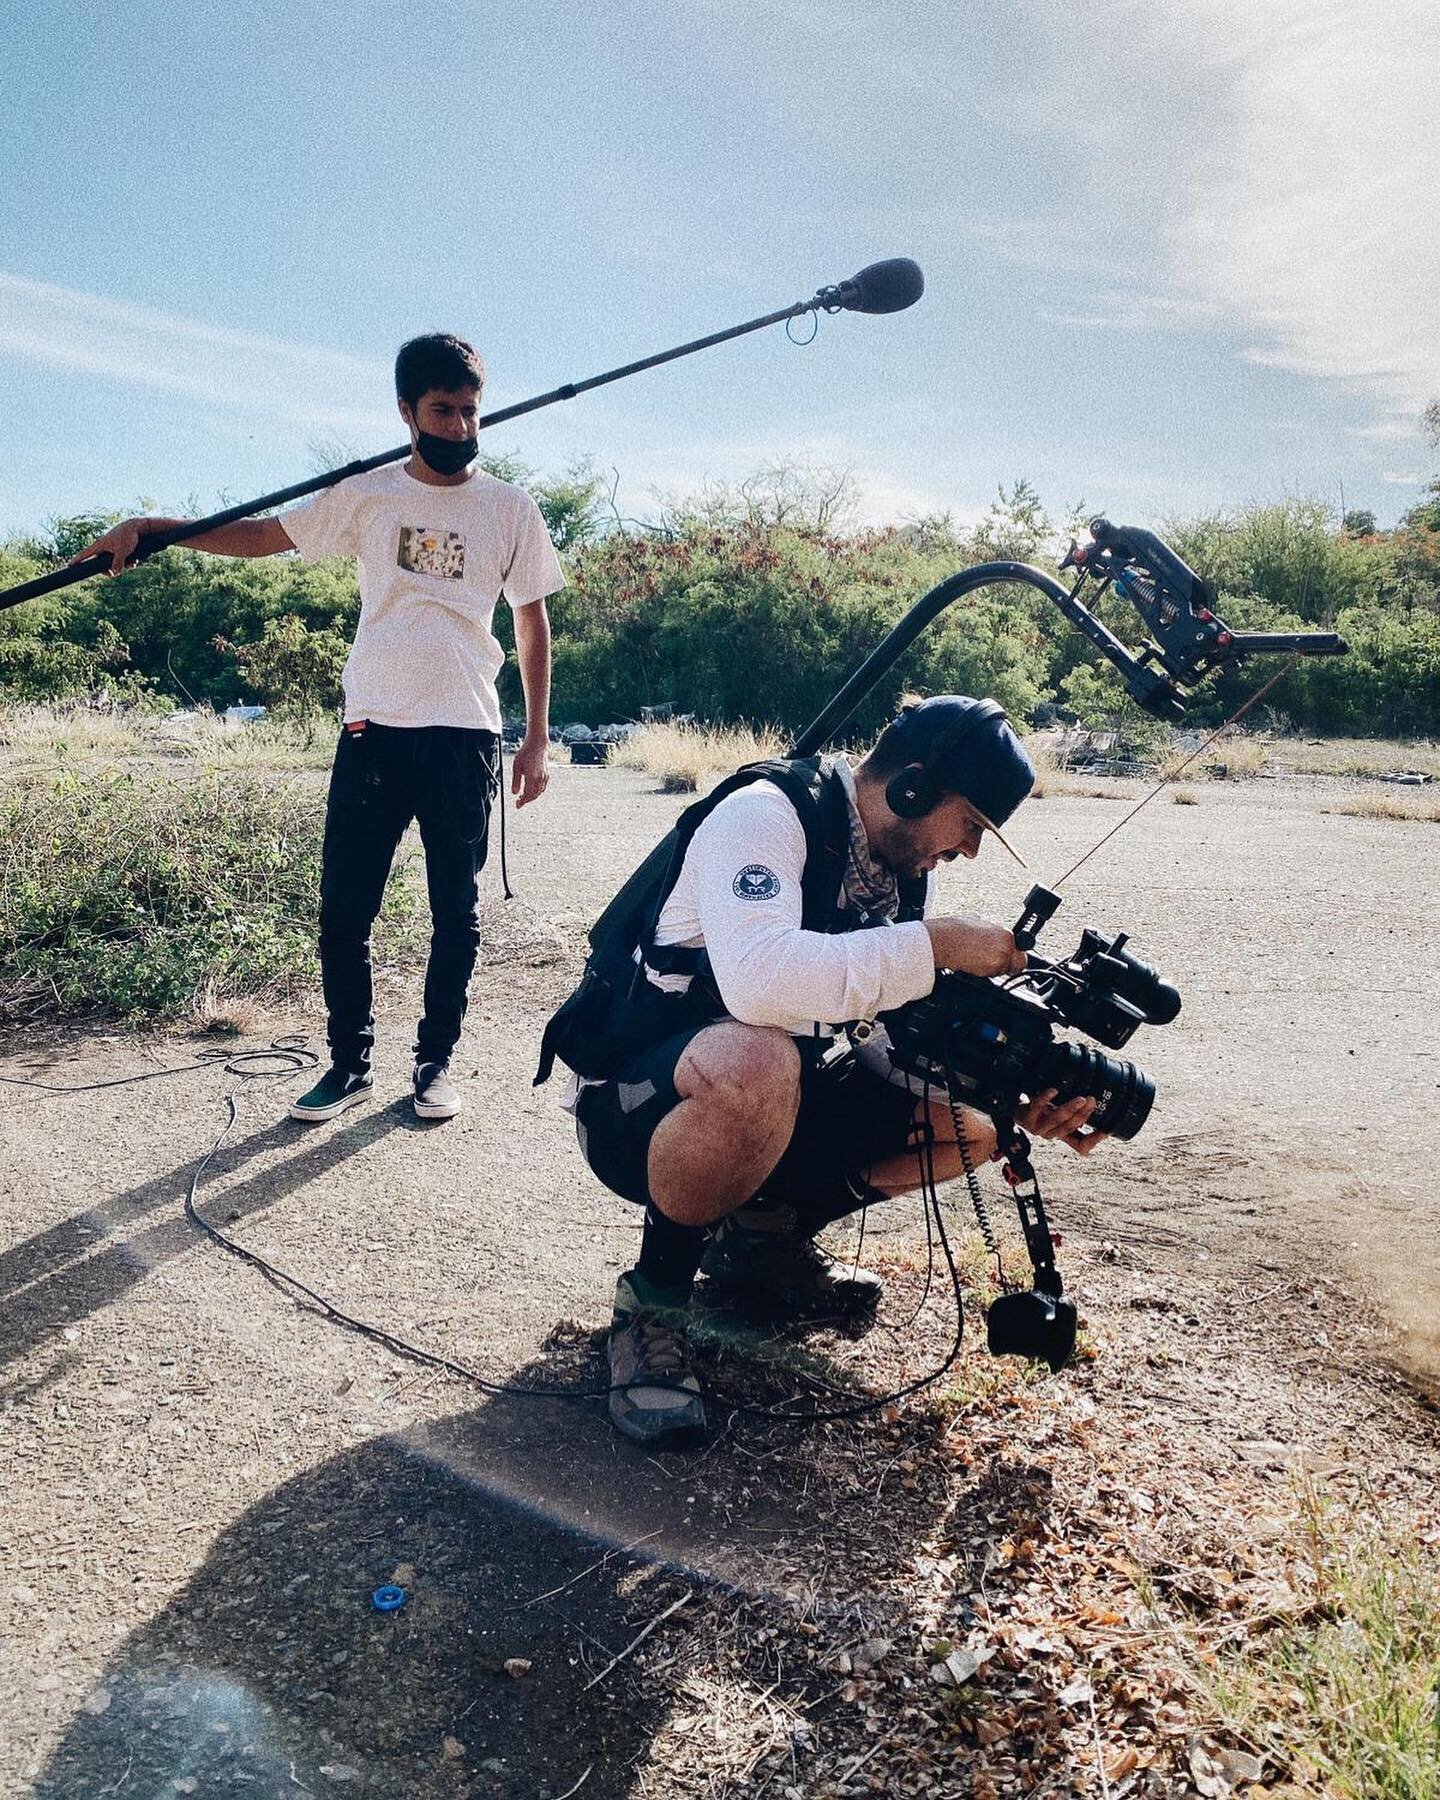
959, 1666
96, 1702
451, 1749
1237, 1766
871, 1655
338, 1771
518, 1666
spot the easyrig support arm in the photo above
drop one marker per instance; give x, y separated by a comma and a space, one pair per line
1190, 638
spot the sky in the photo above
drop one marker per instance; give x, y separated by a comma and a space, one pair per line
1178, 258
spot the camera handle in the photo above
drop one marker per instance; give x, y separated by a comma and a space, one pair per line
1019, 1171
1038, 1322
1040, 907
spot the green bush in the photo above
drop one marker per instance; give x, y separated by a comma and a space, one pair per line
767, 622
753, 603
295, 668
135, 895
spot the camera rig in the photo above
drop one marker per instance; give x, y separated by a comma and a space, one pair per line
1188, 637
991, 1044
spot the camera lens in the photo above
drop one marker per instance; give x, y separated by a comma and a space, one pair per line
1125, 1093
1142, 987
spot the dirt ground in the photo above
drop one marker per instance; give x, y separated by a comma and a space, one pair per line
204, 1481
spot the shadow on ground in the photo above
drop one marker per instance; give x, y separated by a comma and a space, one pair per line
521, 1530
92, 1259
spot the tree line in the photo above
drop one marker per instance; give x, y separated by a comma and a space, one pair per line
753, 601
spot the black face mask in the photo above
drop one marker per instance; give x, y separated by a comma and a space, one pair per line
446, 456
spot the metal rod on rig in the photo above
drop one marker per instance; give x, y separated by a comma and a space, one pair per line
881, 287
819, 732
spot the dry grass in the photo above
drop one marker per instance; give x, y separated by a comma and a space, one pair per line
1237, 754
1234, 756
686, 759
220, 1015
36, 739
1406, 806
1356, 756
1052, 779
1184, 796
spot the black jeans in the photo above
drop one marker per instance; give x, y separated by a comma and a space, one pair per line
444, 777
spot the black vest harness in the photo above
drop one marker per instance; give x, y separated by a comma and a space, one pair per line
616, 1012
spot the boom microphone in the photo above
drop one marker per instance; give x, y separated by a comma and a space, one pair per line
881, 287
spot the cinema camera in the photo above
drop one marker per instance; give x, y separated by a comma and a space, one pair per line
990, 1043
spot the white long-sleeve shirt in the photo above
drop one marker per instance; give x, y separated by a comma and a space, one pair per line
738, 894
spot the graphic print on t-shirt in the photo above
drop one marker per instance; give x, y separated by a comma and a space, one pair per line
425, 550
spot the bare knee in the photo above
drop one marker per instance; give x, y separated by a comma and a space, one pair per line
749, 1071
739, 1088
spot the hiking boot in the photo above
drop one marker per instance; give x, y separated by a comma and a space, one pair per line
760, 1254
336, 1089
436, 1096
654, 1395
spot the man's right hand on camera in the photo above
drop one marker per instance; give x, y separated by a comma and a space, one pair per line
974, 947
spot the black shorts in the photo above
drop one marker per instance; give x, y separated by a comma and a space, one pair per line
848, 1121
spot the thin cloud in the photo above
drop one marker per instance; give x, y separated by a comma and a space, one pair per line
113, 340
1297, 148
1402, 428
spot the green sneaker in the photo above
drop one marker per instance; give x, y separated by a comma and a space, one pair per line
654, 1393
758, 1254
336, 1089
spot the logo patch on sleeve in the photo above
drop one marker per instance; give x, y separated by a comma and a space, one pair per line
756, 882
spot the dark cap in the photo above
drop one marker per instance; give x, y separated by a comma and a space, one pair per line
970, 748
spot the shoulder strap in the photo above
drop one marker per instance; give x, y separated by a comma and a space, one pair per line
913, 889
811, 790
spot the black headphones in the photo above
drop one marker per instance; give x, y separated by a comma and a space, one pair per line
915, 790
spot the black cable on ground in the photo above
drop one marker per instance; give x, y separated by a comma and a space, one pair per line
293, 1055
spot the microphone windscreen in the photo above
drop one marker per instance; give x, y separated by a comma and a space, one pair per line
885, 287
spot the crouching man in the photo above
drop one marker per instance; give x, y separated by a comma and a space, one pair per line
715, 1085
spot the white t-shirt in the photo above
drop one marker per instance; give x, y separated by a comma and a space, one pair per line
738, 894
433, 563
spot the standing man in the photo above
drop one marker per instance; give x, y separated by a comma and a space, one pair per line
437, 542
